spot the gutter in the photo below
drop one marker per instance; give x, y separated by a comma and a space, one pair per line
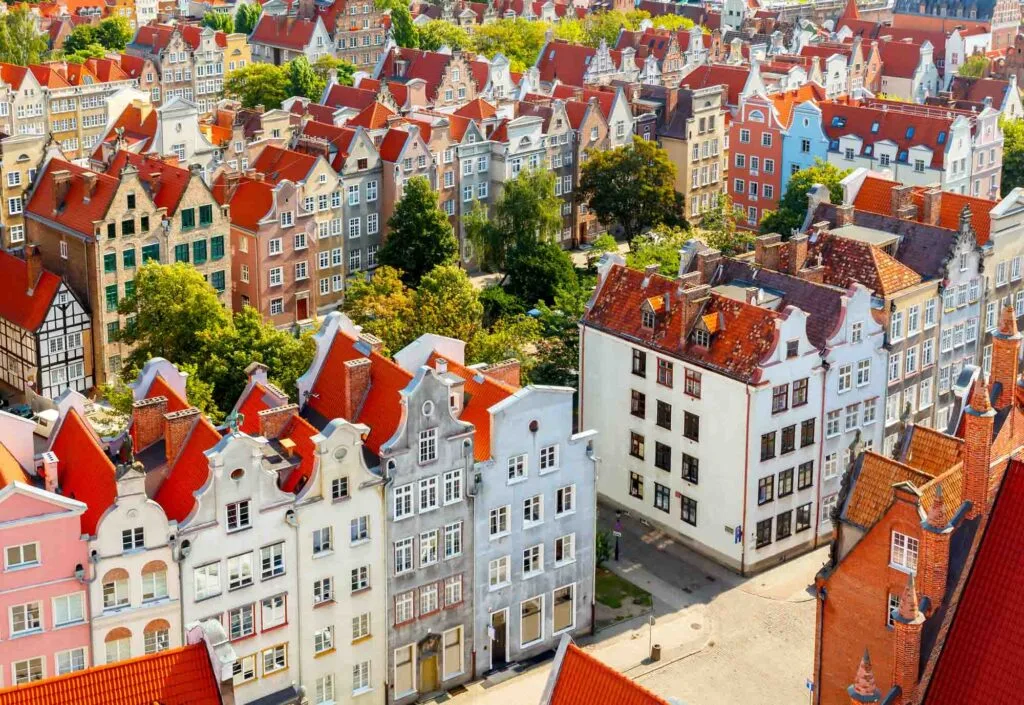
746, 473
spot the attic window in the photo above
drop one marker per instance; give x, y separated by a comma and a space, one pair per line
833, 145
910, 132
868, 149
902, 156
941, 138
647, 319
838, 121
874, 126
701, 337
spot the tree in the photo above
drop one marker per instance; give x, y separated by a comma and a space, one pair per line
258, 84
975, 66
170, 305
383, 306
513, 337
718, 228
345, 71
20, 42
446, 303
792, 210
659, 246
673, 23
598, 248
81, 37
633, 186
247, 16
93, 51
527, 211
420, 236
519, 39
402, 29
572, 30
302, 79
1013, 154
220, 21
114, 33
558, 351
439, 33
605, 26
537, 270
499, 304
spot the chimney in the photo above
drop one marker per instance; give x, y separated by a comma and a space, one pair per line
797, 253
61, 185
692, 300
844, 215
766, 251
507, 371
900, 198
50, 478
288, 446
354, 385
88, 184
256, 372
649, 271
441, 365
707, 262
864, 689
979, 421
931, 206
935, 543
177, 425
369, 340
907, 620
1005, 351
231, 179
154, 181
33, 268
274, 421
148, 421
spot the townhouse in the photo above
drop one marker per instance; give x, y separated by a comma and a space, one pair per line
447, 79
94, 228
358, 31
20, 158
755, 140
576, 65
969, 93
559, 132
279, 39
908, 70
45, 331
754, 359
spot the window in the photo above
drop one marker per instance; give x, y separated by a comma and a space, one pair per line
638, 404
240, 571
799, 392
498, 572
28, 671
692, 384
339, 488
565, 549
452, 486
206, 580
21, 556
133, 539
788, 439
428, 548
903, 551
533, 511
767, 445
517, 467
783, 525
639, 363
323, 540
242, 621
359, 529
323, 639
664, 372
636, 445
115, 589
26, 618
68, 609
453, 540
565, 500
828, 504
691, 426
662, 497
764, 533
275, 659
499, 521
428, 494
154, 581
531, 620
70, 661
780, 398
428, 445
360, 578
403, 556
636, 485
662, 456
244, 669
766, 489
238, 515
786, 482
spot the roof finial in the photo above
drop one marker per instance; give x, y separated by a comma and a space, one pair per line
864, 685
980, 402
936, 517
908, 600
1008, 322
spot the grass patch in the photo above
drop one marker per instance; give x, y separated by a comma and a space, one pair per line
613, 591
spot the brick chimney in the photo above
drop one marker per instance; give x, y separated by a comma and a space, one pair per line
766, 251
274, 421
373, 342
61, 186
797, 246
148, 421
691, 301
707, 262
88, 184
355, 383
907, 620
934, 566
256, 372
154, 182
844, 215
177, 425
979, 420
864, 689
33, 268
900, 200
507, 371
1005, 351
931, 207
50, 477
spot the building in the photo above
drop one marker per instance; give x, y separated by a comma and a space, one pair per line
755, 150
358, 32
1000, 17
279, 39
577, 678
908, 70
45, 331
534, 479
425, 455
20, 158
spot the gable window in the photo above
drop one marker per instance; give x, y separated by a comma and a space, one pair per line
903, 551
428, 445
647, 319
238, 515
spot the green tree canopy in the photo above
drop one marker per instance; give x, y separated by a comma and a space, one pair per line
20, 41
383, 306
658, 246
527, 211
673, 23
439, 33
93, 51
303, 80
633, 186
325, 64
558, 351
402, 29
519, 39
446, 303
220, 21
512, 337
420, 236
718, 228
537, 270
1013, 154
247, 16
114, 33
975, 66
258, 84
792, 210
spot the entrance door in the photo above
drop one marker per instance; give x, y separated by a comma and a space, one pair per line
499, 620
428, 673
302, 309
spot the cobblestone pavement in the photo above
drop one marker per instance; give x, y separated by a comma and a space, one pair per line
726, 640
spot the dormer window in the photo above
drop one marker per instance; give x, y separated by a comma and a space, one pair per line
701, 337
647, 319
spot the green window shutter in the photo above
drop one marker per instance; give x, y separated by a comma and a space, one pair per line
151, 252
199, 251
128, 258
217, 247
205, 215
217, 279
110, 262
181, 253
111, 294
188, 218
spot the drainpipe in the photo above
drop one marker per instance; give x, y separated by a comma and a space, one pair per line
87, 582
821, 450
467, 454
821, 596
179, 557
746, 473
593, 588
292, 520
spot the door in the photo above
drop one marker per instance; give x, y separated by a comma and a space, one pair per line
428, 673
302, 309
498, 650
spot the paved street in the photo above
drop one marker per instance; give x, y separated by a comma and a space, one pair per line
725, 639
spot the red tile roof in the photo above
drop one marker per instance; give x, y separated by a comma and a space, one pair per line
182, 676
983, 650
733, 77
372, 117
158, 36
171, 181
381, 410
283, 31
132, 65
49, 76
482, 392
258, 197
139, 123
787, 100
159, 388
428, 65
399, 91
278, 163
976, 90
392, 145
13, 74
566, 62
340, 139
17, 305
77, 211
348, 97
875, 195
584, 680
189, 472
893, 121
605, 98
847, 261
899, 58
301, 432
478, 109
871, 492
10, 469
84, 472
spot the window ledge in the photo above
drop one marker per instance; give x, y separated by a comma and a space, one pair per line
323, 603
362, 639
325, 652
361, 691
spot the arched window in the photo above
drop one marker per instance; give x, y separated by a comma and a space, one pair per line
115, 589
154, 581
157, 636
118, 644
756, 116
